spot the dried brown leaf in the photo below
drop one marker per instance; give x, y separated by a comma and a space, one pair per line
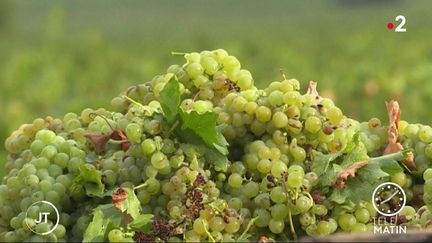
350, 171
393, 146
118, 197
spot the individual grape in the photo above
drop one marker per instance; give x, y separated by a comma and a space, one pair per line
399, 178
362, 215
304, 203
276, 226
278, 168
278, 195
235, 180
307, 219
280, 120
425, 134
263, 114
427, 175
295, 179
200, 226
319, 210
324, 228
276, 98
251, 189
159, 160
217, 224
134, 132
115, 235
279, 211
428, 151
233, 225
148, 146
313, 124
334, 115
347, 222
194, 70
359, 228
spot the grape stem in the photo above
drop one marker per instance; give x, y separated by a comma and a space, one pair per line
140, 186
133, 101
174, 126
209, 235
292, 225
176, 53
93, 115
251, 222
309, 195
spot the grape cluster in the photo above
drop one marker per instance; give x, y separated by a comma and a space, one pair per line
268, 188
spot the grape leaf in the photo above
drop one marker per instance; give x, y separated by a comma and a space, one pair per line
105, 218
321, 162
220, 162
349, 172
204, 125
369, 176
142, 223
126, 200
90, 180
170, 99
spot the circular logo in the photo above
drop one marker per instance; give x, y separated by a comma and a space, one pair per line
42, 217
388, 199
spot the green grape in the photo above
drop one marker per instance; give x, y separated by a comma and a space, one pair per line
233, 225
427, 175
194, 70
134, 132
359, 228
251, 189
279, 211
428, 151
276, 98
307, 219
263, 114
230, 63
295, 179
399, 178
115, 235
313, 124
334, 114
276, 226
278, 195
298, 153
319, 209
304, 203
324, 228
200, 226
159, 160
280, 120
346, 222
217, 224
425, 134
235, 180
362, 215
278, 168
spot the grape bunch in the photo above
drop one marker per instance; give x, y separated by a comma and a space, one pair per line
201, 154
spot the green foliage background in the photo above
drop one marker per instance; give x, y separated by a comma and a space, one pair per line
62, 56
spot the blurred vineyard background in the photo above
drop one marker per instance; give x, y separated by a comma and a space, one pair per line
62, 56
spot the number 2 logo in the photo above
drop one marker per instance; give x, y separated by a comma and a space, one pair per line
400, 27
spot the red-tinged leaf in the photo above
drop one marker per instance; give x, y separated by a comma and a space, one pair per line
312, 90
119, 135
351, 171
99, 140
394, 112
